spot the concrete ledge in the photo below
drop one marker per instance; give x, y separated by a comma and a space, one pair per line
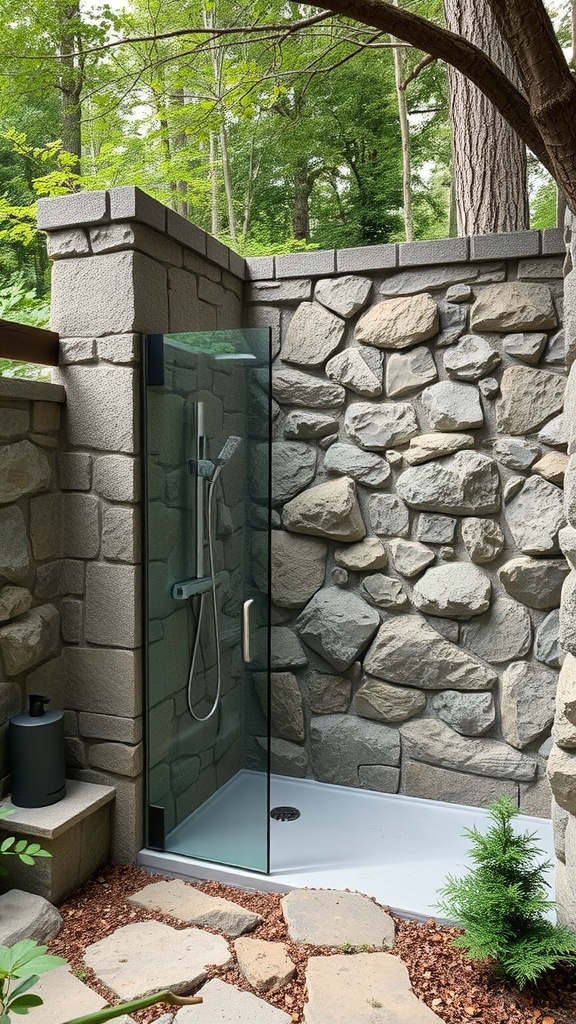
82, 798
435, 250
505, 245
31, 390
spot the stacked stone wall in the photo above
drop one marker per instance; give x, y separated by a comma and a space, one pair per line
37, 589
418, 463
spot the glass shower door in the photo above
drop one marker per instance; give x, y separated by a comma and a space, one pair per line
207, 480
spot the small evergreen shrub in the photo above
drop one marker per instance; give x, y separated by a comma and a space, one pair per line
502, 902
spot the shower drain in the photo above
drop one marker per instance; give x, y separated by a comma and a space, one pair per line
284, 813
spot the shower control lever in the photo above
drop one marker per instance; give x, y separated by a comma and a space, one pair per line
246, 656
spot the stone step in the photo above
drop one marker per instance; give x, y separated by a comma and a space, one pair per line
330, 917
196, 907
224, 1004
65, 997
266, 965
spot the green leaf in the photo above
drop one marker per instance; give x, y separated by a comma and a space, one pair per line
7, 844
24, 986
24, 1003
20, 846
26, 859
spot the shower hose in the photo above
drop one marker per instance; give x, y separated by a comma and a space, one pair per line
196, 647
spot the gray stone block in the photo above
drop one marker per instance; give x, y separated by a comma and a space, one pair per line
30, 639
45, 519
210, 291
120, 236
15, 548
14, 423
370, 257
121, 534
63, 244
505, 245
127, 816
119, 348
102, 408
301, 264
237, 265
113, 605
26, 916
80, 525
291, 291
228, 311
110, 727
181, 230
118, 758
436, 250
553, 241
545, 269
77, 208
117, 477
184, 307
76, 350
259, 268
102, 682
217, 252
71, 613
428, 782
114, 293
75, 471
129, 203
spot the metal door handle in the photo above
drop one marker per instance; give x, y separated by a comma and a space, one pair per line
246, 656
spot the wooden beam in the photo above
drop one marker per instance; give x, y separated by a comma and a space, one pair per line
28, 344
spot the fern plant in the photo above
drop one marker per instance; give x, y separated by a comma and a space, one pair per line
502, 903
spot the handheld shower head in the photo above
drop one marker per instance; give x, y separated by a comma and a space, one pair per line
229, 447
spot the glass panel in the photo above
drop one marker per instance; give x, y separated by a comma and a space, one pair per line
207, 457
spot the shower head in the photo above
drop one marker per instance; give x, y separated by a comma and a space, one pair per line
229, 447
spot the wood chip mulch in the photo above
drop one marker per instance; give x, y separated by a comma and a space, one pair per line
458, 990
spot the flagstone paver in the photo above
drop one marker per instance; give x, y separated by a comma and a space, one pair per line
65, 996
362, 988
266, 965
329, 917
188, 904
224, 1004
151, 956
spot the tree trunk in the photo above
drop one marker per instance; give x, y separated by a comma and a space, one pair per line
405, 136
300, 212
213, 173
489, 158
70, 82
227, 183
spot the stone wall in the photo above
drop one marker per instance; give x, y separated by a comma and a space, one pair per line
123, 264
419, 458
36, 590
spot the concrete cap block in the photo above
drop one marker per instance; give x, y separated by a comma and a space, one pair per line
552, 241
181, 230
505, 245
126, 235
31, 390
217, 252
259, 268
367, 257
435, 250
128, 825
302, 264
76, 208
82, 798
129, 203
237, 265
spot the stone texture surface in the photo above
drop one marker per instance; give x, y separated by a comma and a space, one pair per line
182, 901
329, 917
327, 510
61, 993
432, 783
535, 582
384, 592
313, 336
340, 743
513, 307
471, 714
266, 965
408, 651
526, 347
24, 915
436, 743
399, 323
516, 453
377, 427
293, 468
535, 515
552, 467
298, 568
504, 633
328, 694
344, 295
305, 423
388, 515
14, 601
15, 551
462, 484
427, 447
528, 398
410, 558
408, 371
527, 701
24, 469
367, 555
452, 406
473, 357
364, 467
30, 639
225, 1004
453, 591
435, 529
293, 387
337, 625
547, 640
384, 702
349, 369
483, 539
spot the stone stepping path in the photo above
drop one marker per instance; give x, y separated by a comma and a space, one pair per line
188, 904
329, 917
142, 958
365, 988
266, 965
65, 996
224, 1004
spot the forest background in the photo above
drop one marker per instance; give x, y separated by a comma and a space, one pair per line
276, 127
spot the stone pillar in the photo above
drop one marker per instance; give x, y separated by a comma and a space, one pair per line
123, 265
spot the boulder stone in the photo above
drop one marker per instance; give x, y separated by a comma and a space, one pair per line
368, 554
343, 295
327, 694
287, 758
516, 453
536, 582
24, 469
488, 387
503, 633
409, 371
408, 651
483, 539
528, 398
435, 529
14, 601
14, 550
555, 433
561, 771
512, 487
453, 591
473, 357
313, 335
564, 729
555, 354
547, 643
527, 347
327, 510
459, 293
287, 718
341, 743
452, 787
436, 743
427, 447
410, 557
470, 714
337, 625
384, 592
453, 323
388, 515
535, 516
377, 427
463, 484
452, 406
293, 387
304, 423
384, 702
24, 915
349, 369
513, 306
293, 468
298, 568
365, 467
552, 467
399, 323
266, 965
527, 701
30, 639
286, 649
407, 282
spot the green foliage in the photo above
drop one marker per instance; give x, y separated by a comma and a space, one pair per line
21, 848
502, 902
22, 963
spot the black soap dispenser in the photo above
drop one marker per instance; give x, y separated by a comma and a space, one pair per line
36, 752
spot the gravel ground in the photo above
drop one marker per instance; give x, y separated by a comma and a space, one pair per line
457, 990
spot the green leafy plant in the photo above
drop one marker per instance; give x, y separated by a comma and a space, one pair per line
502, 903
22, 963
27, 852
